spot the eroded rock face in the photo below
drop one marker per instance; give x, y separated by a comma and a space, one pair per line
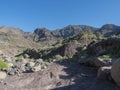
115, 72
68, 49
111, 45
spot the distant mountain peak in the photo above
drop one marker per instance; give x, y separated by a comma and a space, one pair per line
109, 26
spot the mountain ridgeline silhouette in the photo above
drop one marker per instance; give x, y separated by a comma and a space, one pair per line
16, 38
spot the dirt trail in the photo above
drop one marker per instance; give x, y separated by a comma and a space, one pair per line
58, 76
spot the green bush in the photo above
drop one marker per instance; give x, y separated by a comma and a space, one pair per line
3, 64
58, 57
84, 48
107, 56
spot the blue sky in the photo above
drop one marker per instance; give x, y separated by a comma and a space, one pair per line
53, 14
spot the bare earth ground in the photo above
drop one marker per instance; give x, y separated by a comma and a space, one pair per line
58, 76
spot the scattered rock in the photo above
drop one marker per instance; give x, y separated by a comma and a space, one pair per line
23, 69
3, 75
38, 62
30, 64
12, 71
36, 68
104, 73
26, 56
44, 67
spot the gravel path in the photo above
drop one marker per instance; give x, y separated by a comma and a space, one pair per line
58, 76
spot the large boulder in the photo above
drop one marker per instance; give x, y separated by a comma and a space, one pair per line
104, 72
3, 75
115, 72
68, 49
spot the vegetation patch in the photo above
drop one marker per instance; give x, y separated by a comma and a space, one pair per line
84, 48
3, 64
108, 56
58, 57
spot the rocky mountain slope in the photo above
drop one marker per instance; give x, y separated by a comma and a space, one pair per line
71, 30
13, 40
16, 39
109, 29
45, 36
77, 57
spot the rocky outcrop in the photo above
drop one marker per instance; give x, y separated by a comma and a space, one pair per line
71, 30
31, 53
43, 34
68, 49
109, 46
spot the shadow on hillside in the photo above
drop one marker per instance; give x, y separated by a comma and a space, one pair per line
81, 77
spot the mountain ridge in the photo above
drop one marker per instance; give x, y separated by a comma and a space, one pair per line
42, 35
71, 30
